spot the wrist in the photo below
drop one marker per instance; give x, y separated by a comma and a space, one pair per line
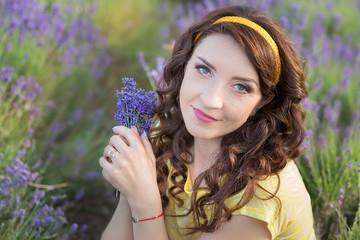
147, 219
146, 208
123, 199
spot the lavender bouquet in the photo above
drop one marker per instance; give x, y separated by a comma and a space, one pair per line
135, 106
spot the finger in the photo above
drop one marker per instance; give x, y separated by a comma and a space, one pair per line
118, 144
105, 164
108, 152
136, 132
107, 177
112, 155
147, 146
124, 140
121, 136
129, 134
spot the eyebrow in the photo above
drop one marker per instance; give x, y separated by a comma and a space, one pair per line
236, 78
207, 63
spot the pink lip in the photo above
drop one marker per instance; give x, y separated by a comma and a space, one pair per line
203, 116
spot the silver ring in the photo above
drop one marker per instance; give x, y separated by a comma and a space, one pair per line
111, 154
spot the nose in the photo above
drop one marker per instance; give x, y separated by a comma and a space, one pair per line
212, 95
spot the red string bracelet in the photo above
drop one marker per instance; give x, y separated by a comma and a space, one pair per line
146, 219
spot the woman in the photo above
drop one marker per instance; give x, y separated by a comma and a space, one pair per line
220, 163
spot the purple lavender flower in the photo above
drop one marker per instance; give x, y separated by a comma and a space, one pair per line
20, 213
49, 158
318, 84
75, 117
314, 107
73, 228
345, 81
321, 140
17, 174
294, 9
341, 196
155, 74
80, 194
349, 164
83, 228
26, 89
36, 164
99, 63
56, 129
27, 143
332, 91
347, 134
96, 116
91, 175
297, 40
73, 34
284, 22
337, 20
317, 27
36, 197
6, 74
141, 60
8, 47
46, 217
135, 106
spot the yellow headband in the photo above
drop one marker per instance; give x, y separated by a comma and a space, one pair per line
258, 29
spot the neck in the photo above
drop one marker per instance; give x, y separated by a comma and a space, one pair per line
203, 152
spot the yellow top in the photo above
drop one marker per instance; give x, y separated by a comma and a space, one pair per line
295, 220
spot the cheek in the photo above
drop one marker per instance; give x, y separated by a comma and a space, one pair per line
239, 115
188, 88
181, 101
183, 95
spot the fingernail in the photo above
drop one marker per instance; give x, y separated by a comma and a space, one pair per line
114, 128
145, 134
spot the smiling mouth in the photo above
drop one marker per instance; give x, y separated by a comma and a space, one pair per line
203, 116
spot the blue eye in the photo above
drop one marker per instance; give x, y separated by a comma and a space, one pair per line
203, 69
242, 88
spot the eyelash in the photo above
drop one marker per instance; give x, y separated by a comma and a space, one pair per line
199, 67
246, 88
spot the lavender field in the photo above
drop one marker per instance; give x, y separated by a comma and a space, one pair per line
62, 61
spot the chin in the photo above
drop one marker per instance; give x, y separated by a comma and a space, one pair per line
202, 134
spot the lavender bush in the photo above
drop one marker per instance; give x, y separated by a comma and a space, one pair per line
27, 213
45, 48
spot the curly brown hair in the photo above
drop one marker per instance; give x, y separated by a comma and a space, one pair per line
261, 147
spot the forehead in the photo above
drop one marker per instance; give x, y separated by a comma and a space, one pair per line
218, 41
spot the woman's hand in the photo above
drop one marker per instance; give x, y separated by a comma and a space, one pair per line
129, 165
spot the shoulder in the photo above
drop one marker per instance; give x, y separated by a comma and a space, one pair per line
239, 227
289, 213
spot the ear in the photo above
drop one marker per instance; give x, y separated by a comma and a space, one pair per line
262, 103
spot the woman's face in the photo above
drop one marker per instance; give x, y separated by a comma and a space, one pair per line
220, 89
